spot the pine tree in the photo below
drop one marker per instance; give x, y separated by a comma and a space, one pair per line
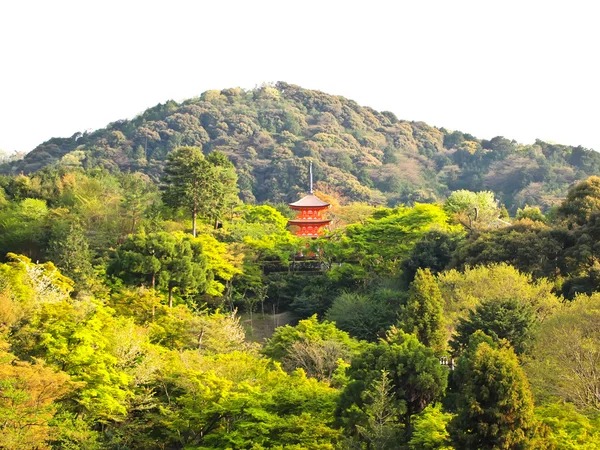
382, 429
187, 180
205, 186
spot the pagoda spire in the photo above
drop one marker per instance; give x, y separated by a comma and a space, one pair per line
311, 178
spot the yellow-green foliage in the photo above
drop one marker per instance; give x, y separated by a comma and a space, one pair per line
567, 428
565, 359
463, 291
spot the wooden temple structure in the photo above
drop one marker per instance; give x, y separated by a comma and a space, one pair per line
309, 223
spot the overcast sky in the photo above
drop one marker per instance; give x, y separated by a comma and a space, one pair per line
521, 69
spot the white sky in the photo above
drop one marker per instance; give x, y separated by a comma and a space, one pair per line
521, 69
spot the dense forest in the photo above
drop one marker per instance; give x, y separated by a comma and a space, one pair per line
152, 295
360, 154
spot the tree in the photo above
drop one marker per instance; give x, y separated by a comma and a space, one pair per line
474, 209
530, 246
187, 181
511, 319
434, 252
138, 194
581, 202
27, 396
162, 260
382, 429
68, 249
315, 347
76, 337
24, 228
494, 403
224, 193
386, 238
416, 379
363, 316
532, 213
240, 401
423, 314
568, 428
463, 291
180, 328
430, 431
205, 186
565, 358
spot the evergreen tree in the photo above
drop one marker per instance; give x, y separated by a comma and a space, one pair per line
162, 260
382, 429
494, 402
416, 379
187, 180
68, 249
510, 319
581, 202
423, 314
205, 186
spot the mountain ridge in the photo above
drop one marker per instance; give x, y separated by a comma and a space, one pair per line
360, 154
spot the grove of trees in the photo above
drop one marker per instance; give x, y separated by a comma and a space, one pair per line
152, 298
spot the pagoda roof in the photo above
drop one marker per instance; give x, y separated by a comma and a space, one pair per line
310, 200
308, 221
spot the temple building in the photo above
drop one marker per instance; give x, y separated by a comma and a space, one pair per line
309, 222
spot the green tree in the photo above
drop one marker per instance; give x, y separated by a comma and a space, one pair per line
565, 358
416, 379
474, 209
138, 194
317, 348
383, 429
511, 319
530, 212
430, 431
581, 201
187, 181
76, 337
239, 401
363, 316
384, 241
205, 186
224, 193
529, 246
162, 260
568, 428
463, 291
24, 228
494, 401
423, 314
68, 249
434, 252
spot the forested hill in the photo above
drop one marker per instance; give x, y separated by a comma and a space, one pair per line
359, 153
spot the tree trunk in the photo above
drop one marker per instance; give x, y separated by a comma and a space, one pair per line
194, 213
170, 297
153, 280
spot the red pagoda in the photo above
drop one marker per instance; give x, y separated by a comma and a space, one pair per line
309, 222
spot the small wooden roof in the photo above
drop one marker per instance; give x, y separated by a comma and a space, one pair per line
309, 201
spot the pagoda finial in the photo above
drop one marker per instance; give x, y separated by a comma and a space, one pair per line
311, 181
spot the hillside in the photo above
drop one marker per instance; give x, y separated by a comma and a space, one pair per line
360, 154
